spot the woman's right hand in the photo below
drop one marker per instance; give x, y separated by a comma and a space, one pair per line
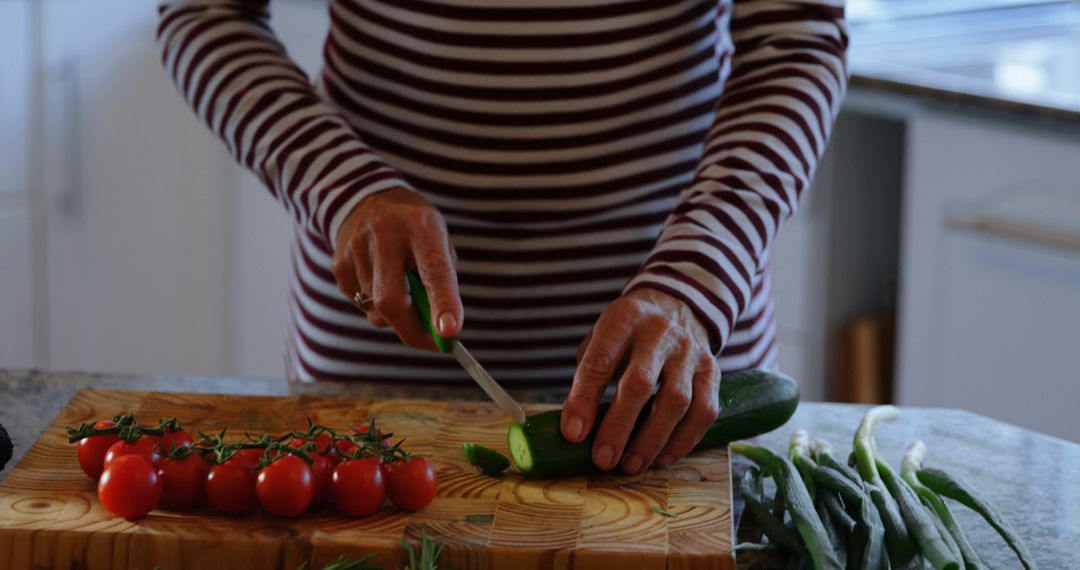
385, 235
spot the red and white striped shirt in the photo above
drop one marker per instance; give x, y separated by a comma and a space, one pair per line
578, 149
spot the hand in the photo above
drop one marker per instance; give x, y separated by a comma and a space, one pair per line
662, 341
385, 235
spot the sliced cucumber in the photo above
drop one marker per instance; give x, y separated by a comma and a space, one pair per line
486, 460
752, 402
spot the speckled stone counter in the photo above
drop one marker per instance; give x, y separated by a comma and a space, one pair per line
1034, 479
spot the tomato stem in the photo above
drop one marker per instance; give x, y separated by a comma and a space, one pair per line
124, 426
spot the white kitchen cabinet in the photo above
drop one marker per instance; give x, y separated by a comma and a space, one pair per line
18, 333
17, 338
133, 201
131, 241
990, 303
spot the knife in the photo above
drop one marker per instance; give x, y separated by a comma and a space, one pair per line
463, 356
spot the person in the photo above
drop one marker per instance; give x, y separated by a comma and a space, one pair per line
596, 183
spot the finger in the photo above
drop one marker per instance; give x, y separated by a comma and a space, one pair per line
453, 254
361, 255
342, 266
672, 401
362, 268
704, 408
431, 250
593, 374
584, 345
377, 320
390, 294
635, 386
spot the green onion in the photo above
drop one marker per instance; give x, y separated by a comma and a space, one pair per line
815, 537
773, 527
940, 551
836, 509
909, 469
944, 484
822, 452
799, 454
770, 548
837, 534
853, 493
902, 549
833, 517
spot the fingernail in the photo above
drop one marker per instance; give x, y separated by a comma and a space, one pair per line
447, 323
574, 426
664, 460
604, 456
633, 464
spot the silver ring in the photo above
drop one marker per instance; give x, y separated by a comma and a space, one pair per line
361, 301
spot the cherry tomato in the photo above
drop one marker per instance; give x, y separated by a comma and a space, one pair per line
345, 449
247, 457
285, 487
321, 472
92, 450
230, 487
411, 483
144, 447
184, 481
323, 442
175, 438
129, 487
358, 487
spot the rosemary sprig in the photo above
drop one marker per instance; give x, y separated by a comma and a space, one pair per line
428, 556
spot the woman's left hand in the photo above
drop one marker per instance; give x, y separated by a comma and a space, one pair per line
662, 342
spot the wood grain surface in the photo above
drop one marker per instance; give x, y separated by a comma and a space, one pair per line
50, 516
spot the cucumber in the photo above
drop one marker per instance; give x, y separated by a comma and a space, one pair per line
484, 459
752, 402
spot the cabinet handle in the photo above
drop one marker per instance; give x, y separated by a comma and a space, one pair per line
986, 224
69, 200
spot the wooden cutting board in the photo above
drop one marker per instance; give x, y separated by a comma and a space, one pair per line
50, 516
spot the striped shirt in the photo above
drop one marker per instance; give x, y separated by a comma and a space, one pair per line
578, 149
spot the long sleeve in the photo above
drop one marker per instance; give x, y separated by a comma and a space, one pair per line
228, 65
788, 77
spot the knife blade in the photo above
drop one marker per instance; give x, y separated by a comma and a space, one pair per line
463, 356
486, 382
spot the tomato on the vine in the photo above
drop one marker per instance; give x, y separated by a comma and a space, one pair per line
410, 483
364, 429
184, 481
230, 487
358, 487
144, 447
174, 438
91, 450
129, 487
248, 457
322, 471
285, 487
323, 442
345, 449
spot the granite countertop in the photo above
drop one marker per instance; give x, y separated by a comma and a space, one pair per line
1033, 478
1014, 55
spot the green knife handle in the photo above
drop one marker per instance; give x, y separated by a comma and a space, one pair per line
423, 308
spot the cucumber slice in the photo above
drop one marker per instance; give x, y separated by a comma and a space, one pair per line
752, 402
519, 448
486, 460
